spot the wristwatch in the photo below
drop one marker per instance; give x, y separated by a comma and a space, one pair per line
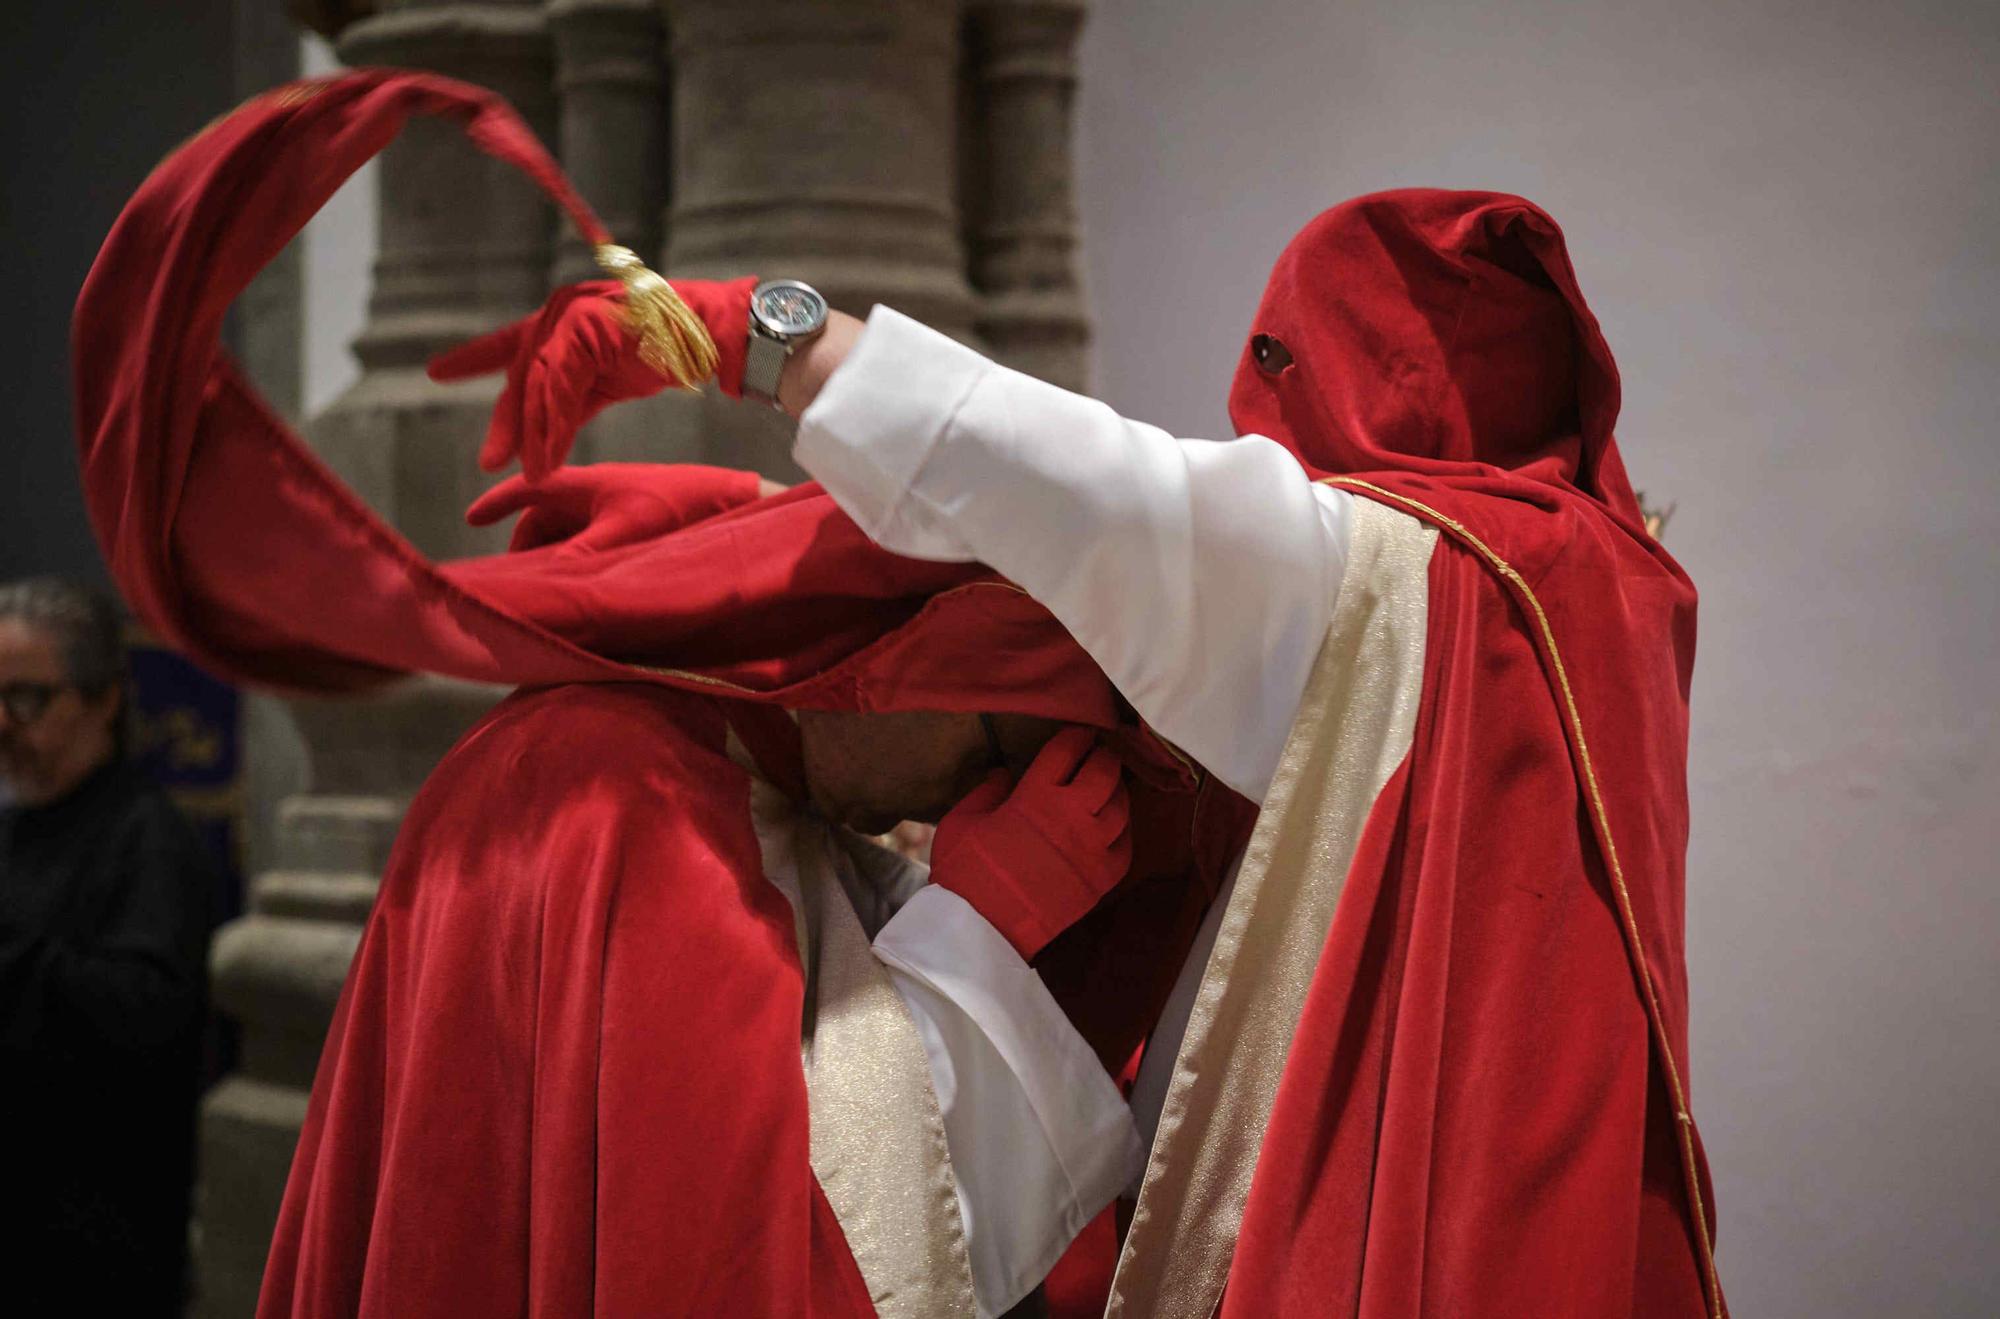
784, 313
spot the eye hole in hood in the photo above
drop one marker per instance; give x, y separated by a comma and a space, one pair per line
1270, 353
1436, 333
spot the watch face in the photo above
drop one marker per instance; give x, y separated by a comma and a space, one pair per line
788, 308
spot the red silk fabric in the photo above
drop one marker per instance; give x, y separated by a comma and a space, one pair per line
563, 1078
1478, 1111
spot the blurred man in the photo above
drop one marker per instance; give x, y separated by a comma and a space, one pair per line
104, 924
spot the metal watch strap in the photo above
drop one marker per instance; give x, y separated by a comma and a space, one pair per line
763, 363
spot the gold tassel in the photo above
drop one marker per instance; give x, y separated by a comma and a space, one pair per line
672, 339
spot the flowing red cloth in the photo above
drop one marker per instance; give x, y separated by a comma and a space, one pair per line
563, 1077
216, 520
1479, 1111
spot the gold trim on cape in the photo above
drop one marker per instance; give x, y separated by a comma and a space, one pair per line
1353, 729
1573, 718
877, 1135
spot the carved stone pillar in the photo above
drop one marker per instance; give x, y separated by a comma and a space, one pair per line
816, 140
1018, 188
611, 88
612, 115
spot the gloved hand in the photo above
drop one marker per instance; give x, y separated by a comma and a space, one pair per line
1034, 857
604, 505
577, 356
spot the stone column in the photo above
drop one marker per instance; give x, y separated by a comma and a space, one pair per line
1017, 184
610, 71
815, 140
611, 89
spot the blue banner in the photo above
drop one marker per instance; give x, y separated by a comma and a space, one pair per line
187, 729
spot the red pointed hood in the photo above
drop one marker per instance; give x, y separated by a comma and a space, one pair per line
1440, 334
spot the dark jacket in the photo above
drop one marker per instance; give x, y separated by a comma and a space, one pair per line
105, 913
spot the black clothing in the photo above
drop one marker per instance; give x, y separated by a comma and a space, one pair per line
105, 900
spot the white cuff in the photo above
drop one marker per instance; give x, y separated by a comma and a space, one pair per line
1040, 1138
881, 412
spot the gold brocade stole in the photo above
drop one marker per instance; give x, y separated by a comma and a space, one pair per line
1353, 729
877, 1136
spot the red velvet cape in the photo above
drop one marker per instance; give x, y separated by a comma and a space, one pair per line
1484, 1108
563, 1075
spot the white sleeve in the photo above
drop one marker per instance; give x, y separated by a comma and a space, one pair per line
1199, 574
1041, 1141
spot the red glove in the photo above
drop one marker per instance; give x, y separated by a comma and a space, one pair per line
1035, 859
576, 356
605, 505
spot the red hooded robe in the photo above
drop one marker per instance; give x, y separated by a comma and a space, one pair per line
1484, 1108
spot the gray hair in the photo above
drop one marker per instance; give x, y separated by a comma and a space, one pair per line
85, 625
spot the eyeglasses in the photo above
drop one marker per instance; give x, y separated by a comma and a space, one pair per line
25, 702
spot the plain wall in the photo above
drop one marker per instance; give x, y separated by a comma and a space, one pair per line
1785, 215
